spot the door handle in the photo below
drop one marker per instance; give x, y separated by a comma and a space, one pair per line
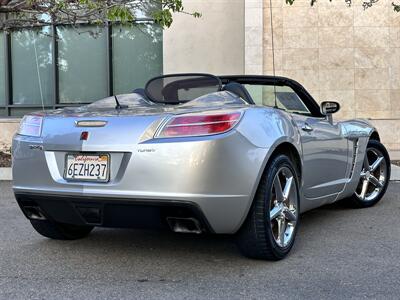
307, 127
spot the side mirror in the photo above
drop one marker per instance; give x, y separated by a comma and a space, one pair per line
329, 107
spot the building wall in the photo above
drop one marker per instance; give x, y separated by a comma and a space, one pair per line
341, 53
213, 43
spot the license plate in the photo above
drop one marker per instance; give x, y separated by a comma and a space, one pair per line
84, 167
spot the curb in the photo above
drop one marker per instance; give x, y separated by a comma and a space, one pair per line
6, 174
395, 173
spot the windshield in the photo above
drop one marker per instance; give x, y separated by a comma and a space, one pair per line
286, 98
181, 88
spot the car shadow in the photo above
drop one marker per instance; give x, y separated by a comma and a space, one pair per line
147, 245
151, 244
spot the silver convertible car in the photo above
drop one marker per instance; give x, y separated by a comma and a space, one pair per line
243, 155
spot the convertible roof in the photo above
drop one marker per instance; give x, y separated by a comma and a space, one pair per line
279, 81
157, 89
249, 79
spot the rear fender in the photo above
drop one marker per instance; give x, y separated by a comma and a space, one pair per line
268, 128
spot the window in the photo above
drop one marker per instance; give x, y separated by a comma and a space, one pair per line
32, 63
36, 68
137, 56
286, 97
82, 61
2, 74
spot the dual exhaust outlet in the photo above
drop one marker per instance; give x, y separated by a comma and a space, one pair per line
34, 213
184, 225
179, 225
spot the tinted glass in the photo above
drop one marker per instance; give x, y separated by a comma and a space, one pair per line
137, 56
82, 64
286, 98
32, 66
2, 71
181, 88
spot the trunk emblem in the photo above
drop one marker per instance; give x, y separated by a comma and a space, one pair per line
84, 135
90, 123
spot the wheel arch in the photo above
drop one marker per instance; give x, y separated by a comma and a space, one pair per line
283, 146
291, 151
375, 136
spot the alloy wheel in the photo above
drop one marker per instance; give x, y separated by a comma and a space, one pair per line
283, 213
373, 175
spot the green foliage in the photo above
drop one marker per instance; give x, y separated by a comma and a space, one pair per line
30, 12
162, 17
120, 13
366, 3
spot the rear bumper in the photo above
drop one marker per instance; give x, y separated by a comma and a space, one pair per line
218, 175
106, 212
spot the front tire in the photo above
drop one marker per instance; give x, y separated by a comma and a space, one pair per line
271, 226
374, 177
59, 231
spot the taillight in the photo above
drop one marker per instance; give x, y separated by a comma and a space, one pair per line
198, 125
31, 125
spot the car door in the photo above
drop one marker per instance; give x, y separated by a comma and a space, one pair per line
325, 150
325, 156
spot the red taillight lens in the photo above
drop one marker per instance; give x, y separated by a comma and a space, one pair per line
197, 125
31, 125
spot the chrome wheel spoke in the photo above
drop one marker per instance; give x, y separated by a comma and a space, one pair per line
376, 164
275, 211
278, 189
364, 189
288, 187
375, 181
281, 231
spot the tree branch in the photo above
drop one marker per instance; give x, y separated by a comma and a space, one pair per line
20, 14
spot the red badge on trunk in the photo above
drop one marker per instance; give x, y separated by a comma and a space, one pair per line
84, 135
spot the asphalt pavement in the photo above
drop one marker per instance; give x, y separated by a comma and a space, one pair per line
340, 253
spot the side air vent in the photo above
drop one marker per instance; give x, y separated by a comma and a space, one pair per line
354, 157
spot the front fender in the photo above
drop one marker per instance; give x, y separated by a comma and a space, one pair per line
357, 128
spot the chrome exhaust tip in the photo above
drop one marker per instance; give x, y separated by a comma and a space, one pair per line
184, 225
34, 213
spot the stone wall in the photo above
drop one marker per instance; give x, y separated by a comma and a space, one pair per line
341, 53
210, 44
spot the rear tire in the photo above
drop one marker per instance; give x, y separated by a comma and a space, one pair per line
271, 226
375, 176
59, 231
